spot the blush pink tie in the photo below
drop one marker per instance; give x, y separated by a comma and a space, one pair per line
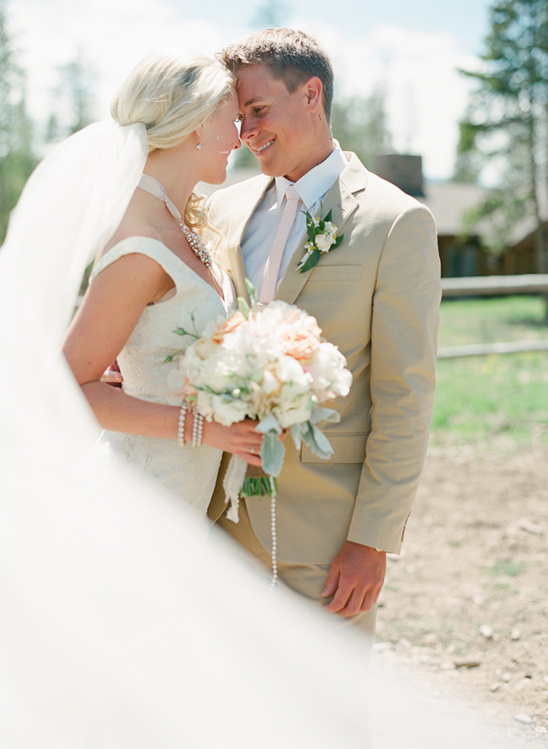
274, 260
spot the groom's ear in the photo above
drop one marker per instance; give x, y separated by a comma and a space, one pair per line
313, 90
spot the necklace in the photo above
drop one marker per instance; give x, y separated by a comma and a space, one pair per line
151, 185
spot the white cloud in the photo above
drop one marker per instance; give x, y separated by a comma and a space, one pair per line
111, 36
426, 96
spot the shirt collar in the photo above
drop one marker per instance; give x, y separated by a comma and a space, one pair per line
314, 184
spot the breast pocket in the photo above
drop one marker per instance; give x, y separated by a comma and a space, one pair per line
324, 272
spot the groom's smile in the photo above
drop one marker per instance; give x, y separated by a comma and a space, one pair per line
260, 149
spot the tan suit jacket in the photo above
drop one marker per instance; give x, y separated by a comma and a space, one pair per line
376, 297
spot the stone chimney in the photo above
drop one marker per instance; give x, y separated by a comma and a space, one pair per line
403, 170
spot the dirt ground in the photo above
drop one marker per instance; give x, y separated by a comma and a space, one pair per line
467, 602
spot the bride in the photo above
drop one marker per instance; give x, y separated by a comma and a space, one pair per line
155, 275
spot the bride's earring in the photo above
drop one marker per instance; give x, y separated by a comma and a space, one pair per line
198, 145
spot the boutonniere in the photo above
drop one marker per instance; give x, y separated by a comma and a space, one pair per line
322, 237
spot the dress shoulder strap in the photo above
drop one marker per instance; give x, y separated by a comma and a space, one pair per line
152, 248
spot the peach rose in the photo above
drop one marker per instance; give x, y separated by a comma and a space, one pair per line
302, 339
231, 324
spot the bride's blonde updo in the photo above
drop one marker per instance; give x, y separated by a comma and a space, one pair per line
172, 94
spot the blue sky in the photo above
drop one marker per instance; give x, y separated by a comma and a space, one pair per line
466, 19
411, 49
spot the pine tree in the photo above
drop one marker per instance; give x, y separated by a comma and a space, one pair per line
505, 128
73, 104
360, 124
17, 157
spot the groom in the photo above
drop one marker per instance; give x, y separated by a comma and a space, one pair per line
376, 296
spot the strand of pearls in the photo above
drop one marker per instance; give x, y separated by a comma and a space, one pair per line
181, 425
273, 534
197, 429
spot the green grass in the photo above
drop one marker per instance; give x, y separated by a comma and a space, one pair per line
507, 568
494, 400
489, 320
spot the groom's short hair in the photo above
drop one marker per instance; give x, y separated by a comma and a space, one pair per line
292, 56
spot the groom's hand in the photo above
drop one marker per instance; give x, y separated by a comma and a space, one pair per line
355, 579
112, 375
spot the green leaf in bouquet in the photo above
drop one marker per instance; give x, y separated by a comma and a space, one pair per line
272, 453
259, 486
319, 413
175, 354
322, 443
296, 432
243, 307
317, 441
251, 293
182, 331
269, 423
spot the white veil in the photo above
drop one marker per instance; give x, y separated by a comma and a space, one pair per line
120, 627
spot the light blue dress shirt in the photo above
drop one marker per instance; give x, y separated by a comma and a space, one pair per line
262, 227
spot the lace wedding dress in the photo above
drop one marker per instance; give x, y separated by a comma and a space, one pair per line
188, 472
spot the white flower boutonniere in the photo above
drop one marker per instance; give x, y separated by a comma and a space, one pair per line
322, 237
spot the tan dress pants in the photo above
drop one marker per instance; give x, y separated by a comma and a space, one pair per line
306, 579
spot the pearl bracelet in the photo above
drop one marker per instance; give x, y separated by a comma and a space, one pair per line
181, 425
197, 429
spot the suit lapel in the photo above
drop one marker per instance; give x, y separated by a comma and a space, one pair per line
342, 202
248, 200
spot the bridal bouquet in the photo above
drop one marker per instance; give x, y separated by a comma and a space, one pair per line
270, 364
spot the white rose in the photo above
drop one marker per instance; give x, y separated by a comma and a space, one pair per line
295, 400
270, 383
326, 239
297, 413
288, 370
328, 369
225, 411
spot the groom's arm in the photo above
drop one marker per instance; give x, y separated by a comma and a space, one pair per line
403, 358
113, 376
